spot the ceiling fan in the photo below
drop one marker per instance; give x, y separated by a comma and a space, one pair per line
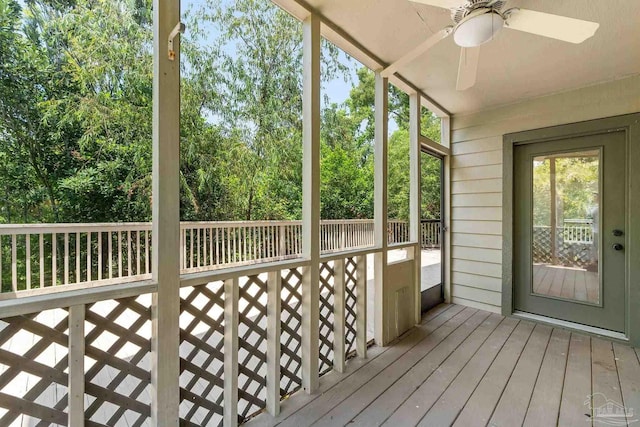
479, 21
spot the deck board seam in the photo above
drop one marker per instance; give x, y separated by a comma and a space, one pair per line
373, 378
564, 377
462, 367
515, 365
400, 340
481, 378
422, 358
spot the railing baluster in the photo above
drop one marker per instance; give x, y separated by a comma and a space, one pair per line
204, 246
77, 257
217, 246
129, 253
66, 258
147, 242
41, 257
14, 263
110, 235
99, 255
198, 236
361, 306
224, 244
89, 253
54, 259
119, 253
190, 248
27, 244
138, 252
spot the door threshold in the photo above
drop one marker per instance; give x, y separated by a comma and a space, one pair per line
591, 330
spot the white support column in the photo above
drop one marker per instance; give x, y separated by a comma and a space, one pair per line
231, 320
274, 312
361, 306
380, 205
165, 311
414, 198
76, 365
339, 315
311, 202
445, 235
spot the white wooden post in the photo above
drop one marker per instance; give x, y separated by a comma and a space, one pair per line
414, 198
361, 306
165, 311
380, 205
231, 319
76, 365
445, 234
311, 202
274, 298
339, 307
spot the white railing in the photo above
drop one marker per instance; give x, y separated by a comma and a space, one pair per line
579, 234
38, 256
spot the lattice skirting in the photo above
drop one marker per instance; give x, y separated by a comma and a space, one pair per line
34, 350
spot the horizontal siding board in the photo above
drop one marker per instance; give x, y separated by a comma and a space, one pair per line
476, 281
477, 159
477, 254
475, 304
475, 294
477, 186
477, 241
476, 267
477, 227
476, 200
477, 146
477, 213
476, 172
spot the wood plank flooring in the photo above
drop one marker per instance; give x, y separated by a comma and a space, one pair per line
468, 367
566, 282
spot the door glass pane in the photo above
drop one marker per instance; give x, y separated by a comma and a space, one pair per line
566, 206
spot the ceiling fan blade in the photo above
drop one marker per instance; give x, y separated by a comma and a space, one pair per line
554, 26
446, 4
417, 51
468, 67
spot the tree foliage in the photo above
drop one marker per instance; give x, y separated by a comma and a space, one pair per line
76, 123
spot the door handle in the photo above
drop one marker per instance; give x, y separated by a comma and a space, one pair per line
617, 247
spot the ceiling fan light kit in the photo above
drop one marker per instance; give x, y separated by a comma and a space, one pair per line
479, 21
478, 27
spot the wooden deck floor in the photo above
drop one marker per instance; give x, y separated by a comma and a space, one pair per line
468, 367
566, 282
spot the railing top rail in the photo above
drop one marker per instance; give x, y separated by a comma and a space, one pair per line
430, 220
8, 229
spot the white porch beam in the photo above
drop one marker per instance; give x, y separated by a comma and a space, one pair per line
165, 311
414, 197
431, 145
380, 205
416, 52
311, 202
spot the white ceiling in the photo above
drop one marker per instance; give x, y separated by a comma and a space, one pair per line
514, 66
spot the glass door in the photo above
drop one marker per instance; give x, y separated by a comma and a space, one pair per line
569, 211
